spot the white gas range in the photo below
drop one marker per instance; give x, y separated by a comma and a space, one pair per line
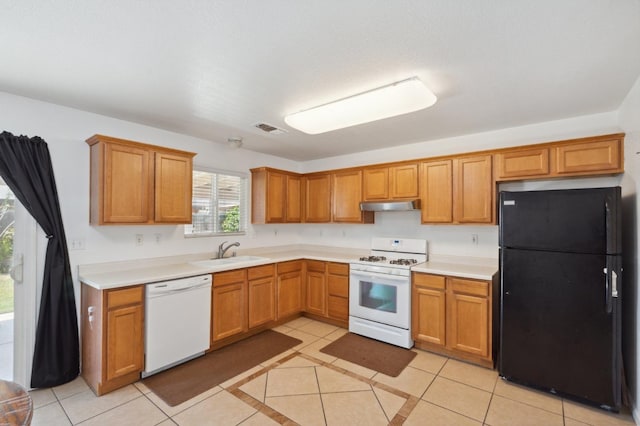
380, 290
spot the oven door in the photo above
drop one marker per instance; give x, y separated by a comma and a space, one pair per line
380, 297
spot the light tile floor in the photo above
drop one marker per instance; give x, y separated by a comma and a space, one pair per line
307, 387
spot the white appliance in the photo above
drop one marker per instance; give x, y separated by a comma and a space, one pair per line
177, 322
380, 290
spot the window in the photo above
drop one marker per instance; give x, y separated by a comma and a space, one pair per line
219, 203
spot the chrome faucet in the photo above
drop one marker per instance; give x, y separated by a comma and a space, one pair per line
222, 249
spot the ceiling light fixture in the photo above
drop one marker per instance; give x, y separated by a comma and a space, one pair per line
398, 98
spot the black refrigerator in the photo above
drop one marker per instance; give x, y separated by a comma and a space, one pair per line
560, 312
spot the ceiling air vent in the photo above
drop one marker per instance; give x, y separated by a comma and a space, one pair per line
273, 130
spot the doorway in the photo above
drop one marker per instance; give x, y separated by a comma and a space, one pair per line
7, 232
18, 289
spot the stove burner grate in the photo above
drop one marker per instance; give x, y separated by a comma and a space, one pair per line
373, 258
403, 262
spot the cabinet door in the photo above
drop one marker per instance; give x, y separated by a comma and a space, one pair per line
429, 308
436, 191
276, 197
589, 157
229, 311
127, 184
522, 163
375, 184
289, 294
468, 316
293, 206
125, 353
473, 190
261, 301
347, 194
429, 315
403, 181
317, 207
316, 293
173, 179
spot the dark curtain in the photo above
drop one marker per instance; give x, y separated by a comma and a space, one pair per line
25, 166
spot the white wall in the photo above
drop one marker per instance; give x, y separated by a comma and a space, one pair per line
629, 117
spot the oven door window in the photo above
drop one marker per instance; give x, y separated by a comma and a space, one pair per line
380, 297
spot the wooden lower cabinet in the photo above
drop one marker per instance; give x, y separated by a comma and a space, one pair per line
112, 337
316, 288
327, 291
262, 295
338, 292
453, 316
289, 288
228, 304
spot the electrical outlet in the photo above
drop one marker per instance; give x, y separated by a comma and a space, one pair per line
139, 239
77, 244
158, 237
474, 239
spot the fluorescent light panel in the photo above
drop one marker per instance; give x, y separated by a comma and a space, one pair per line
395, 99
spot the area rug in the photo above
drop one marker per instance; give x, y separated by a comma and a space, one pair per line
183, 382
372, 354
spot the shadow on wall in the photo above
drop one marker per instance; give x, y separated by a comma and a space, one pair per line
630, 292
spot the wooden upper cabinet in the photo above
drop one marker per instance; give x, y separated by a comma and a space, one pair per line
275, 196
293, 205
593, 156
522, 164
173, 184
598, 155
121, 185
403, 181
383, 183
375, 183
436, 191
473, 189
136, 183
458, 190
317, 200
346, 197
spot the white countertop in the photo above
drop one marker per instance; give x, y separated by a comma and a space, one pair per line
459, 266
110, 275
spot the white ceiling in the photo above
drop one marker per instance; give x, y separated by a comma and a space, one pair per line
212, 69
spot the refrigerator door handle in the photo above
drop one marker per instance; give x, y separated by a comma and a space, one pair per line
614, 284
607, 290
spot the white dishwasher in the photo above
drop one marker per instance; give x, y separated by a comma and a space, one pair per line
177, 322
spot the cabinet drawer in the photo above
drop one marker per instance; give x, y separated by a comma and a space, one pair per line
338, 286
230, 277
338, 268
126, 296
284, 267
427, 280
477, 288
315, 265
260, 272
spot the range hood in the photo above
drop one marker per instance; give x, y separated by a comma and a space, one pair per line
390, 205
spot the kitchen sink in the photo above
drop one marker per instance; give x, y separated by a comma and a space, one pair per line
227, 261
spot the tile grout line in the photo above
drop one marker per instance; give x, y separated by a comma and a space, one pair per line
324, 414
